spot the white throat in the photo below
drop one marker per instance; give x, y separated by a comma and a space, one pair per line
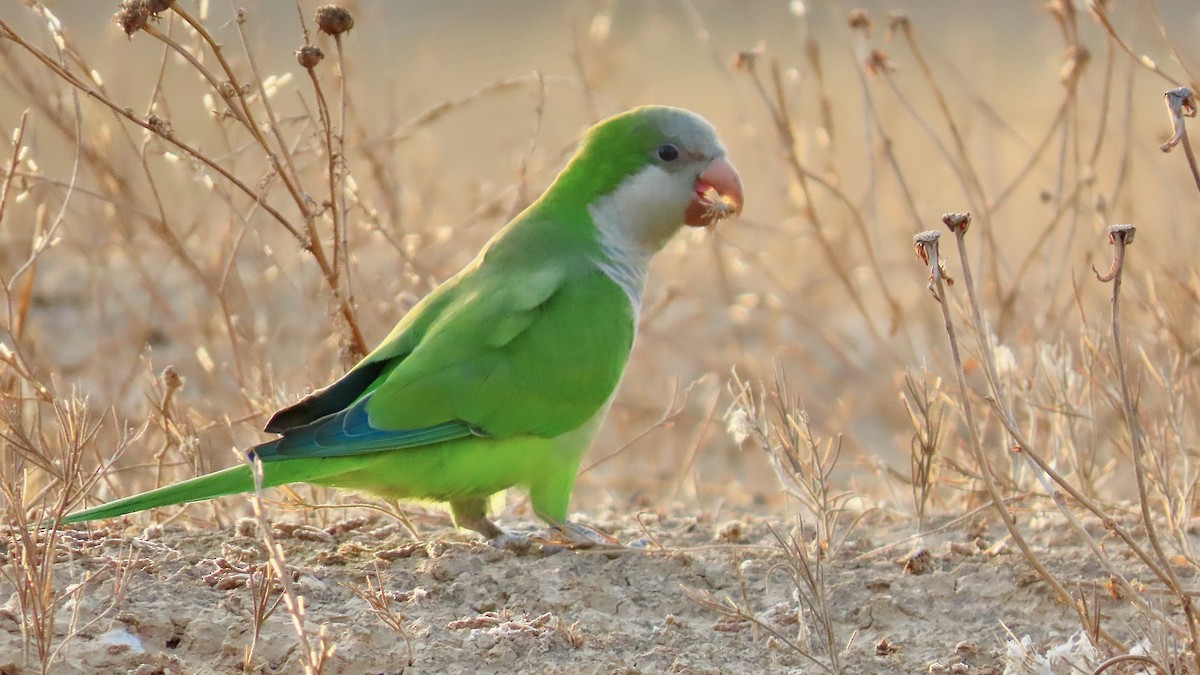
634, 222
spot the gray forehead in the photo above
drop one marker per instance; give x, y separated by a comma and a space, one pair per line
690, 129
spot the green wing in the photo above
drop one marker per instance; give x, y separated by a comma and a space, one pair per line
494, 351
542, 367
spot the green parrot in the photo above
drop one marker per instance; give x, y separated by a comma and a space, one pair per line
501, 376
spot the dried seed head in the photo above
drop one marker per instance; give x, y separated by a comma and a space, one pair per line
858, 19
171, 378
1122, 231
1062, 10
957, 222
1181, 103
309, 56
132, 16
1119, 236
923, 239
334, 20
926, 246
160, 126
744, 62
878, 62
1077, 59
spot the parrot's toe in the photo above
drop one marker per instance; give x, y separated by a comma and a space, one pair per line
573, 535
556, 537
511, 541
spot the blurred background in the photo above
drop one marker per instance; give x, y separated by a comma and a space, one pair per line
458, 114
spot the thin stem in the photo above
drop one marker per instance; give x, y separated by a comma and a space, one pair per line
1121, 236
338, 195
18, 143
928, 249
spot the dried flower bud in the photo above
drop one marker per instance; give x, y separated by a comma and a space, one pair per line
878, 62
1120, 236
132, 16
745, 61
858, 19
1062, 11
957, 221
159, 125
334, 20
1122, 231
309, 56
1077, 59
923, 239
1181, 103
171, 378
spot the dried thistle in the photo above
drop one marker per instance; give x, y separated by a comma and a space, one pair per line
926, 246
878, 62
898, 22
858, 19
1120, 236
957, 222
133, 15
171, 378
745, 61
1063, 11
334, 19
159, 125
1181, 103
719, 209
923, 242
309, 56
1076, 62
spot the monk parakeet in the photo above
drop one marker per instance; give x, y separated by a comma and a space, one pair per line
502, 375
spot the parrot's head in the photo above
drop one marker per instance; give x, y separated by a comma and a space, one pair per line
653, 169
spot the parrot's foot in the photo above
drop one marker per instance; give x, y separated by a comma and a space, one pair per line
556, 537
511, 541
575, 536
471, 514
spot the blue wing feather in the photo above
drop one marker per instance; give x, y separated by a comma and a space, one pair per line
349, 432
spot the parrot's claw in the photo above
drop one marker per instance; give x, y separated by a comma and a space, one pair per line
556, 537
511, 541
575, 536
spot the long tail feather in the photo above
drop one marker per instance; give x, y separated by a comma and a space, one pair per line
229, 481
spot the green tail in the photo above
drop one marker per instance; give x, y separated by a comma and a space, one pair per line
229, 481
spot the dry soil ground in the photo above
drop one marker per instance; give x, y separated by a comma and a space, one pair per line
184, 606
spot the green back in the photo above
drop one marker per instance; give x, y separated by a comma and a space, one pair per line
531, 337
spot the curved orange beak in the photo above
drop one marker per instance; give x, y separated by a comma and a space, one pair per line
718, 194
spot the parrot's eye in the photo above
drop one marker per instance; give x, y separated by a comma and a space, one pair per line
668, 152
